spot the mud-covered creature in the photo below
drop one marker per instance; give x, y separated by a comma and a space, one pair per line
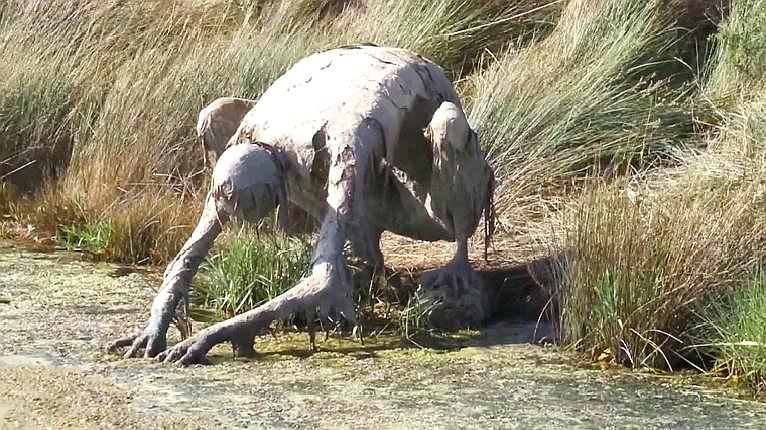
217, 123
365, 139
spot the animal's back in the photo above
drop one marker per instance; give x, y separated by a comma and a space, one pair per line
337, 89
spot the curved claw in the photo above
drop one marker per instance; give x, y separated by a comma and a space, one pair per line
139, 344
324, 292
147, 341
122, 342
188, 360
460, 297
172, 354
184, 354
454, 273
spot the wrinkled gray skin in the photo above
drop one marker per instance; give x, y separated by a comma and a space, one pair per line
365, 139
217, 122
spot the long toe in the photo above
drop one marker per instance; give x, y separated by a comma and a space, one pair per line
135, 349
154, 346
161, 356
122, 342
173, 355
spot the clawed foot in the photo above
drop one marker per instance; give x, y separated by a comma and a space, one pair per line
194, 350
459, 296
326, 292
146, 343
457, 276
190, 351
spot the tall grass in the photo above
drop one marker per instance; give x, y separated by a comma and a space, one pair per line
453, 33
98, 100
738, 332
734, 324
665, 264
736, 72
585, 97
646, 259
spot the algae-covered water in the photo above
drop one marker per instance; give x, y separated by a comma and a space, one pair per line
56, 313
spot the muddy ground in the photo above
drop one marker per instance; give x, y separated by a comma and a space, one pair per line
56, 313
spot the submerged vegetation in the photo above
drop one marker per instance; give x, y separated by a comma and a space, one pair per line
628, 133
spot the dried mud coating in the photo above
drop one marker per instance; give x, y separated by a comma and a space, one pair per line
217, 122
365, 139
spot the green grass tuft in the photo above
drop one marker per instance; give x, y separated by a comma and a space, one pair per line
414, 320
738, 329
643, 261
254, 267
93, 239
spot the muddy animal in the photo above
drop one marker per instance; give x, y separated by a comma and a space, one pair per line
365, 139
217, 123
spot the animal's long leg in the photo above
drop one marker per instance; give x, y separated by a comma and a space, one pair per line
461, 190
329, 286
175, 285
247, 183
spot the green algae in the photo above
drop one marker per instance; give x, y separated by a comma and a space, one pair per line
64, 310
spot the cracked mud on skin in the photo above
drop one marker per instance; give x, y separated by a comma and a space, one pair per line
373, 112
51, 376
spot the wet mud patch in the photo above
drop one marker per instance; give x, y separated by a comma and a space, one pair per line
53, 373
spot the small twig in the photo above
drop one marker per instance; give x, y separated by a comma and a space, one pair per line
18, 169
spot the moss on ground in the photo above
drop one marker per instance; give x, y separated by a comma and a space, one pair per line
62, 311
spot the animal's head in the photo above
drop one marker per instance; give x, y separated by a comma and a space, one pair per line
460, 162
249, 183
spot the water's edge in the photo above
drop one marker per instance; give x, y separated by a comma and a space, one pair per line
53, 373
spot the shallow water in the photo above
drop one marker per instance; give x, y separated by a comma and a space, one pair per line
54, 374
